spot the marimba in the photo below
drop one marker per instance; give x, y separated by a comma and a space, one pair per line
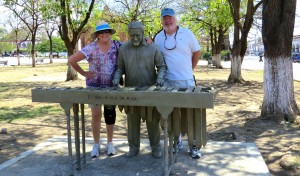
166, 100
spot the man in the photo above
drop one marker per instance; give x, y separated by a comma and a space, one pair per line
181, 52
139, 62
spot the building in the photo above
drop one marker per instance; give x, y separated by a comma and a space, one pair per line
256, 46
296, 44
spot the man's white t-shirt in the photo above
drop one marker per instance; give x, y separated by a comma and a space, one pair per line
179, 59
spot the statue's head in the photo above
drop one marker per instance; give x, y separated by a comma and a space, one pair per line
136, 32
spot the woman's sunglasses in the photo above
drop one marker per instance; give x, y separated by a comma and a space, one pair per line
104, 31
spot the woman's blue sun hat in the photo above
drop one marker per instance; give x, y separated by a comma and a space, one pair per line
101, 27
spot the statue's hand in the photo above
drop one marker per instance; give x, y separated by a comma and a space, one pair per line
159, 82
116, 82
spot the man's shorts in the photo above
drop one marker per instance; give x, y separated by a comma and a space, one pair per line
180, 83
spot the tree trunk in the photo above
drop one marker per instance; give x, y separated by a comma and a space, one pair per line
236, 70
51, 49
277, 31
279, 103
51, 57
18, 55
226, 42
18, 59
236, 61
240, 37
33, 53
70, 35
217, 59
71, 72
217, 38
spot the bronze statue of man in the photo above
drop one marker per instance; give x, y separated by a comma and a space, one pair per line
143, 65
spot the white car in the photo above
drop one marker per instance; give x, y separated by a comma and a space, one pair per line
20, 55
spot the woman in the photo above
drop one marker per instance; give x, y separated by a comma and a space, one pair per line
102, 58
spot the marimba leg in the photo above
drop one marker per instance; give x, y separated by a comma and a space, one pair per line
67, 107
171, 136
76, 132
166, 152
203, 129
165, 111
83, 133
198, 128
190, 129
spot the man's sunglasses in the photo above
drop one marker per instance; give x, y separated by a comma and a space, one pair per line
104, 31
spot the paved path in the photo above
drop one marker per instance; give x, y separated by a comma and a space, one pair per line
218, 159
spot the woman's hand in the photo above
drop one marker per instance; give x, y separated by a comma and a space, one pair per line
89, 74
148, 40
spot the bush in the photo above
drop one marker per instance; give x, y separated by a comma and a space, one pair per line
225, 54
206, 55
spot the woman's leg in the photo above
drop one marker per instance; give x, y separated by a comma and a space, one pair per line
110, 119
110, 133
96, 123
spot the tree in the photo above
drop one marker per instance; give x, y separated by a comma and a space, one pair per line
277, 32
122, 12
213, 18
73, 18
28, 12
50, 28
50, 24
220, 22
4, 44
242, 24
17, 31
57, 45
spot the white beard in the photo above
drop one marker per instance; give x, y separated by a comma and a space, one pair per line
170, 28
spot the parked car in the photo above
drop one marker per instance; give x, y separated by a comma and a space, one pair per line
5, 55
20, 55
296, 57
55, 55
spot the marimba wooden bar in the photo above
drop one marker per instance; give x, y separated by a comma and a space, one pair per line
168, 101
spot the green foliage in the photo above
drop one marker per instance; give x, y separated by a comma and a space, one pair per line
3, 33
154, 26
225, 54
28, 48
206, 55
58, 46
72, 18
6, 46
120, 13
201, 16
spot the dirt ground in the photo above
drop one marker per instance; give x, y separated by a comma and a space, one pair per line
235, 117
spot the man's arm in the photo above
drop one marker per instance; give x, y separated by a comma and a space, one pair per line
195, 58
